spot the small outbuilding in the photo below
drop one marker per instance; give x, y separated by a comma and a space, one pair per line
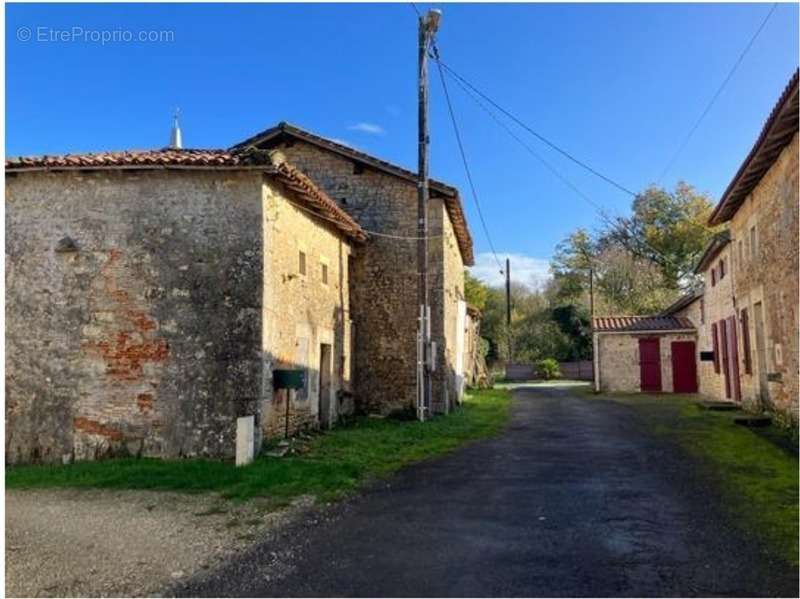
644, 353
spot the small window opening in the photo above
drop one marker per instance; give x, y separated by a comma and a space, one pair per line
324, 274
358, 168
301, 267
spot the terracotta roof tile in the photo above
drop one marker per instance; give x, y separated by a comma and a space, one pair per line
619, 324
135, 158
778, 131
317, 200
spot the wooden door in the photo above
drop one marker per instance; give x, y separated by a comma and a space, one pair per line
733, 357
684, 367
650, 364
325, 385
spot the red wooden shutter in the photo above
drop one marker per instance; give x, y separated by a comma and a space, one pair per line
748, 366
715, 343
733, 352
726, 365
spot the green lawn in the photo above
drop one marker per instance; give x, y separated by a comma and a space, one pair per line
756, 469
336, 462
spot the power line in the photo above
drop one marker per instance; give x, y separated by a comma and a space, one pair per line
464, 155
536, 134
665, 260
717, 94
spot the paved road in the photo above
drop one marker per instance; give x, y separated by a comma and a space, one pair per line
575, 499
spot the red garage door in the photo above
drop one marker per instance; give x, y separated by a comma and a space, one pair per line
649, 365
684, 367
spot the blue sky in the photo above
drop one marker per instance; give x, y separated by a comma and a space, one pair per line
619, 86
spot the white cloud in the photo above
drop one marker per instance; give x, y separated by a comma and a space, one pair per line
369, 128
533, 272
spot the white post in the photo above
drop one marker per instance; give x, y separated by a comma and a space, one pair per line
245, 440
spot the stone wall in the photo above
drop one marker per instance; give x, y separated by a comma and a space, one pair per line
447, 291
766, 273
303, 312
133, 312
384, 277
617, 356
718, 306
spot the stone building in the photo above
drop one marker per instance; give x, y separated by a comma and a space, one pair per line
382, 197
760, 297
717, 331
150, 295
475, 371
644, 353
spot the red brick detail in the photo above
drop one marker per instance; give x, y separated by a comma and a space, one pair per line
96, 428
126, 351
124, 358
145, 402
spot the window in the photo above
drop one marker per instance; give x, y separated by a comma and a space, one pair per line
713, 276
715, 343
324, 273
748, 366
753, 242
702, 311
721, 269
741, 254
301, 266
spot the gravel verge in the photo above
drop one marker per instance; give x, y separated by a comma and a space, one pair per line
126, 543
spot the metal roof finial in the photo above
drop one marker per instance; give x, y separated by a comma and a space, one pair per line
175, 141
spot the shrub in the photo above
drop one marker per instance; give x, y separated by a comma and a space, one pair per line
548, 369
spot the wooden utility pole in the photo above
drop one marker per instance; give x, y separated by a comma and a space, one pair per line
508, 308
427, 28
591, 292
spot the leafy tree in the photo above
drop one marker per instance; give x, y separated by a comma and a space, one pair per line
667, 229
475, 291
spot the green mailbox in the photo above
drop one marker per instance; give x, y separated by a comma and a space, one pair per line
285, 378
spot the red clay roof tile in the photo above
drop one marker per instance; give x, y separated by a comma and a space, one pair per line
316, 199
633, 324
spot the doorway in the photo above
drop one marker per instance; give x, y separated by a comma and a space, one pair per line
325, 385
684, 367
761, 355
650, 364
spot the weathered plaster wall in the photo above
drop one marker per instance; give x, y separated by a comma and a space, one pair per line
145, 338
768, 273
301, 312
384, 276
618, 356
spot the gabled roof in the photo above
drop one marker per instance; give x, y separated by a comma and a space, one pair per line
185, 159
683, 301
777, 133
284, 131
641, 324
714, 247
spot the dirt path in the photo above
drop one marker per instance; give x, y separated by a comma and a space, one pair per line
107, 543
576, 498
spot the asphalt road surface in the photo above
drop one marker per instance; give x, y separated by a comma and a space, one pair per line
576, 498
